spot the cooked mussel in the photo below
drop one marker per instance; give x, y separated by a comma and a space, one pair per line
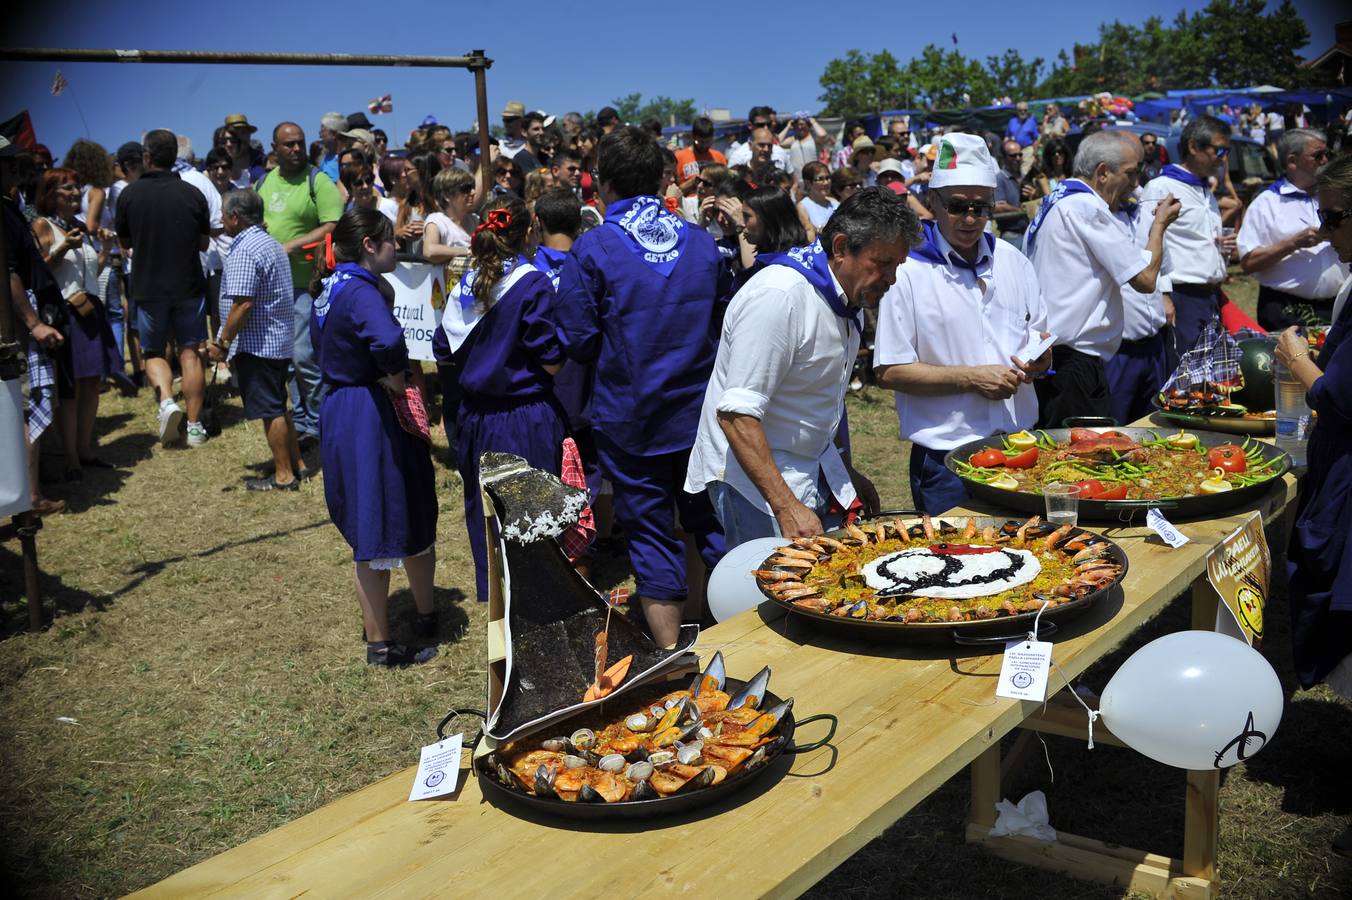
752, 692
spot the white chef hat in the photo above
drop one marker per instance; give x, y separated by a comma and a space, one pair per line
962, 159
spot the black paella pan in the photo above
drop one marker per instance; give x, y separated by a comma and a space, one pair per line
980, 632
1201, 506
513, 798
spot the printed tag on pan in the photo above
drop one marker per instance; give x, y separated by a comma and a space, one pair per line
1023, 674
1164, 528
438, 769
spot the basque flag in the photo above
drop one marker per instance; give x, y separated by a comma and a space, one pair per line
380, 105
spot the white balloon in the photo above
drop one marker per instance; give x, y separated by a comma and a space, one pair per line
732, 587
1194, 699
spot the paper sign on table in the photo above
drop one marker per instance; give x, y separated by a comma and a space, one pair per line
438, 769
1238, 568
1023, 674
1164, 528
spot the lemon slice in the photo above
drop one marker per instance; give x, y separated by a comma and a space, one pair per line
1216, 484
1183, 440
1023, 440
1004, 481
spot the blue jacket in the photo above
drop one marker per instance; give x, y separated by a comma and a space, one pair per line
652, 339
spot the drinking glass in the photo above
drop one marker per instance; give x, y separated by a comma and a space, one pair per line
1063, 503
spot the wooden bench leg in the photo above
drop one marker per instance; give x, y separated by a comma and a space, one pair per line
985, 787
1201, 822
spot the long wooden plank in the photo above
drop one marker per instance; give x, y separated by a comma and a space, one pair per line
1084, 858
933, 709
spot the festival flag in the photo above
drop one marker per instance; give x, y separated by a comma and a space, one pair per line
59, 84
19, 130
380, 105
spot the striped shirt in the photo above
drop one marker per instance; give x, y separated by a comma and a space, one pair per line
257, 268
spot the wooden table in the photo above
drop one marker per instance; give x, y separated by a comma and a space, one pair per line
926, 705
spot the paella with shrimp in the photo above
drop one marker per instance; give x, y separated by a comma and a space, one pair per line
887, 571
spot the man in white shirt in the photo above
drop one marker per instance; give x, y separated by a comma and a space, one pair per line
951, 329
741, 154
1297, 269
769, 444
1083, 256
1197, 251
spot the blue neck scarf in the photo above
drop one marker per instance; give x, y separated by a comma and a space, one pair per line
1178, 173
929, 251
550, 261
654, 235
1063, 190
344, 273
811, 262
1295, 193
467, 297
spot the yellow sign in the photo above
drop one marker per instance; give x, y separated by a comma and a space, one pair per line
1239, 568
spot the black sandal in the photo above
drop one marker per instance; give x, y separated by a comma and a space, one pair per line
395, 656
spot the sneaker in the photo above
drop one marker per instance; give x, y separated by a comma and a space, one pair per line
396, 656
171, 423
197, 434
270, 484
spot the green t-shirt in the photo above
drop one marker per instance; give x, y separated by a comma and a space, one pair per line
289, 212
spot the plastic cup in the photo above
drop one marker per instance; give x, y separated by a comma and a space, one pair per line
1063, 503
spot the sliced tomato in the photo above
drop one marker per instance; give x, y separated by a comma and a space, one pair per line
1083, 434
1090, 490
1025, 460
989, 458
1228, 457
1117, 493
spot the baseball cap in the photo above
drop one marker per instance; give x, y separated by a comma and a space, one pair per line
963, 159
890, 165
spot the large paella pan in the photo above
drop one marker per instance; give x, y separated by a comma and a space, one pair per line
974, 580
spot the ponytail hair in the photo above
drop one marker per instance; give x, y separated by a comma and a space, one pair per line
499, 238
352, 229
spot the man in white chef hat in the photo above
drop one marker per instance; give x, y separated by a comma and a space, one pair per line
959, 332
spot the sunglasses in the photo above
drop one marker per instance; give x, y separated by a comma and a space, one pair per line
1321, 154
363, 182
466, 189
963, 208
1221, 152
224, 167
1330, 219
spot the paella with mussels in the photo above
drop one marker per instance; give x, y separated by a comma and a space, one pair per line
891, 572
1110, 465
673, 742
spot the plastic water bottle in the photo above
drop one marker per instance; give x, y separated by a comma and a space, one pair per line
1293, 413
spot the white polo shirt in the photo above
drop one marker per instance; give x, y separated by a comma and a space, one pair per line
779, 157
941, 315
785, 358
1083, 256
1190, 241
1312, 273
1142, 314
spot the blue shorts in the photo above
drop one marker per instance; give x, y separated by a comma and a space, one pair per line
186, 320
262, 384
157, 319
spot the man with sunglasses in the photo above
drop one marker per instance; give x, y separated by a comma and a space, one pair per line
1083, 256
952, 328
1194, 244
741, 155
1282, 245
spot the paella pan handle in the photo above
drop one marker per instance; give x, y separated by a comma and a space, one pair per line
1111, 505
815, 745
1090, 422
455, 713
1044, 629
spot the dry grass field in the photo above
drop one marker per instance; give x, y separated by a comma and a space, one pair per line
207, 645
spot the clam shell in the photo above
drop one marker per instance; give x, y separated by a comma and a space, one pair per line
638, 722
661, 757
573, 762
639, 771
611, 762
583, 739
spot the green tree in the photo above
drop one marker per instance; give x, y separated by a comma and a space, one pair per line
1011, 76
632, 109
858, 84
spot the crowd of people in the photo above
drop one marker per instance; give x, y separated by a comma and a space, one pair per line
688, 320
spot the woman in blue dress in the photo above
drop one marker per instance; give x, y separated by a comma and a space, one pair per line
1319, 560
378, 479
504, 349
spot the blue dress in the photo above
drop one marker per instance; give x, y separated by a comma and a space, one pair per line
378, 479
1319, 560
508, 402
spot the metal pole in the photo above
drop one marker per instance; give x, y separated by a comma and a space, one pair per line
481, 101
59, 54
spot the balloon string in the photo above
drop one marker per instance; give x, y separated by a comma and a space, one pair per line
1093, 713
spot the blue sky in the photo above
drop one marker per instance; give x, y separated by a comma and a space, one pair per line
552, 56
